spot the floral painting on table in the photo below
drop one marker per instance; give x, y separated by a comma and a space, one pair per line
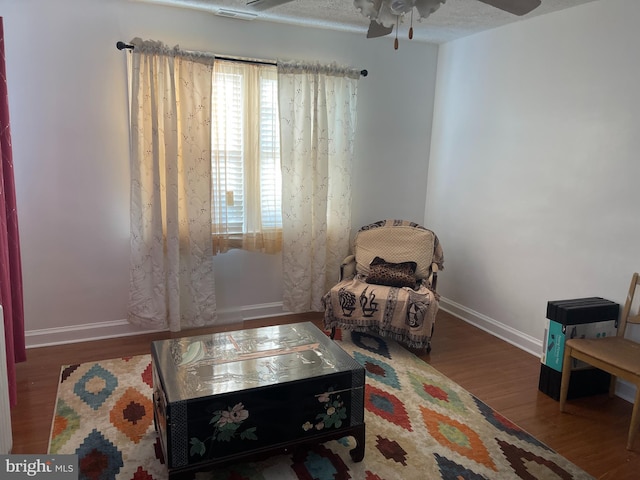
333, 414
227, 425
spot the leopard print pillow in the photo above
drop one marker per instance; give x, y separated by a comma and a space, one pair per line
392, 274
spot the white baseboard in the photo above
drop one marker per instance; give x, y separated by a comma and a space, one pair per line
81, 333
122, 328
505, 332
250, 312
626, 390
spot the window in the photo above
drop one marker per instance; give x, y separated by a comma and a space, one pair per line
246, 179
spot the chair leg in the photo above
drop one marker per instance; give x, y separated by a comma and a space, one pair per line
428, 348
333, 333
635, 419
612, 386
566, 377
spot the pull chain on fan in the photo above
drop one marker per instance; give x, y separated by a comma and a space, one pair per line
411, 27
395, 43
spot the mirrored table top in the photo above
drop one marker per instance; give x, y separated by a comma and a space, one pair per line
205, 365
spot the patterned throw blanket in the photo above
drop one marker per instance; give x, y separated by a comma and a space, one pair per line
399, 313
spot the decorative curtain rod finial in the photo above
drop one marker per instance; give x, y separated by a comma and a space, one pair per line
121, 45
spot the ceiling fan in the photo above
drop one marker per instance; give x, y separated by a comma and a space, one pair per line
384, 14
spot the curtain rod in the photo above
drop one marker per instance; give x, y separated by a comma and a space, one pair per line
121, 46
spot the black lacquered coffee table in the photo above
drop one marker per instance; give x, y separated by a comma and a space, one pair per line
234, 396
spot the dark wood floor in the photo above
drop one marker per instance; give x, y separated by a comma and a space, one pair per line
592, 435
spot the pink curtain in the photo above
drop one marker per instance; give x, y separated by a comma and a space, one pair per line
10, 267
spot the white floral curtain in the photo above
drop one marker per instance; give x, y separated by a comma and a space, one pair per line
317, 127
171, 278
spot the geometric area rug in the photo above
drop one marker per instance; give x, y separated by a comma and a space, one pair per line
419, 425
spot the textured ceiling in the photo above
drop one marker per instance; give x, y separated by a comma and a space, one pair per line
454, 19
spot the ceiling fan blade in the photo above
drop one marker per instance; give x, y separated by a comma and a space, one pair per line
265, 4
378, 30
516, 7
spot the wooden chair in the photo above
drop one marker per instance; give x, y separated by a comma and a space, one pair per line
616, 355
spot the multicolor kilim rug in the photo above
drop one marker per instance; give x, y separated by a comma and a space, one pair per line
420, 425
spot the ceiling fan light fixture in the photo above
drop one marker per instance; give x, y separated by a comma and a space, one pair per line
368, 8
385, 14
388, 12
400, 7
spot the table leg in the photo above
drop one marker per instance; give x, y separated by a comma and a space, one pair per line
357, 454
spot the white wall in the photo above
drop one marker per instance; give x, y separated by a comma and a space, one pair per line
68, 118
534, 167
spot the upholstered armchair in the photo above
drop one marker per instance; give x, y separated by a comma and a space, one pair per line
387, 286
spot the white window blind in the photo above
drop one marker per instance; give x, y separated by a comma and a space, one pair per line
246, 179
271, 179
